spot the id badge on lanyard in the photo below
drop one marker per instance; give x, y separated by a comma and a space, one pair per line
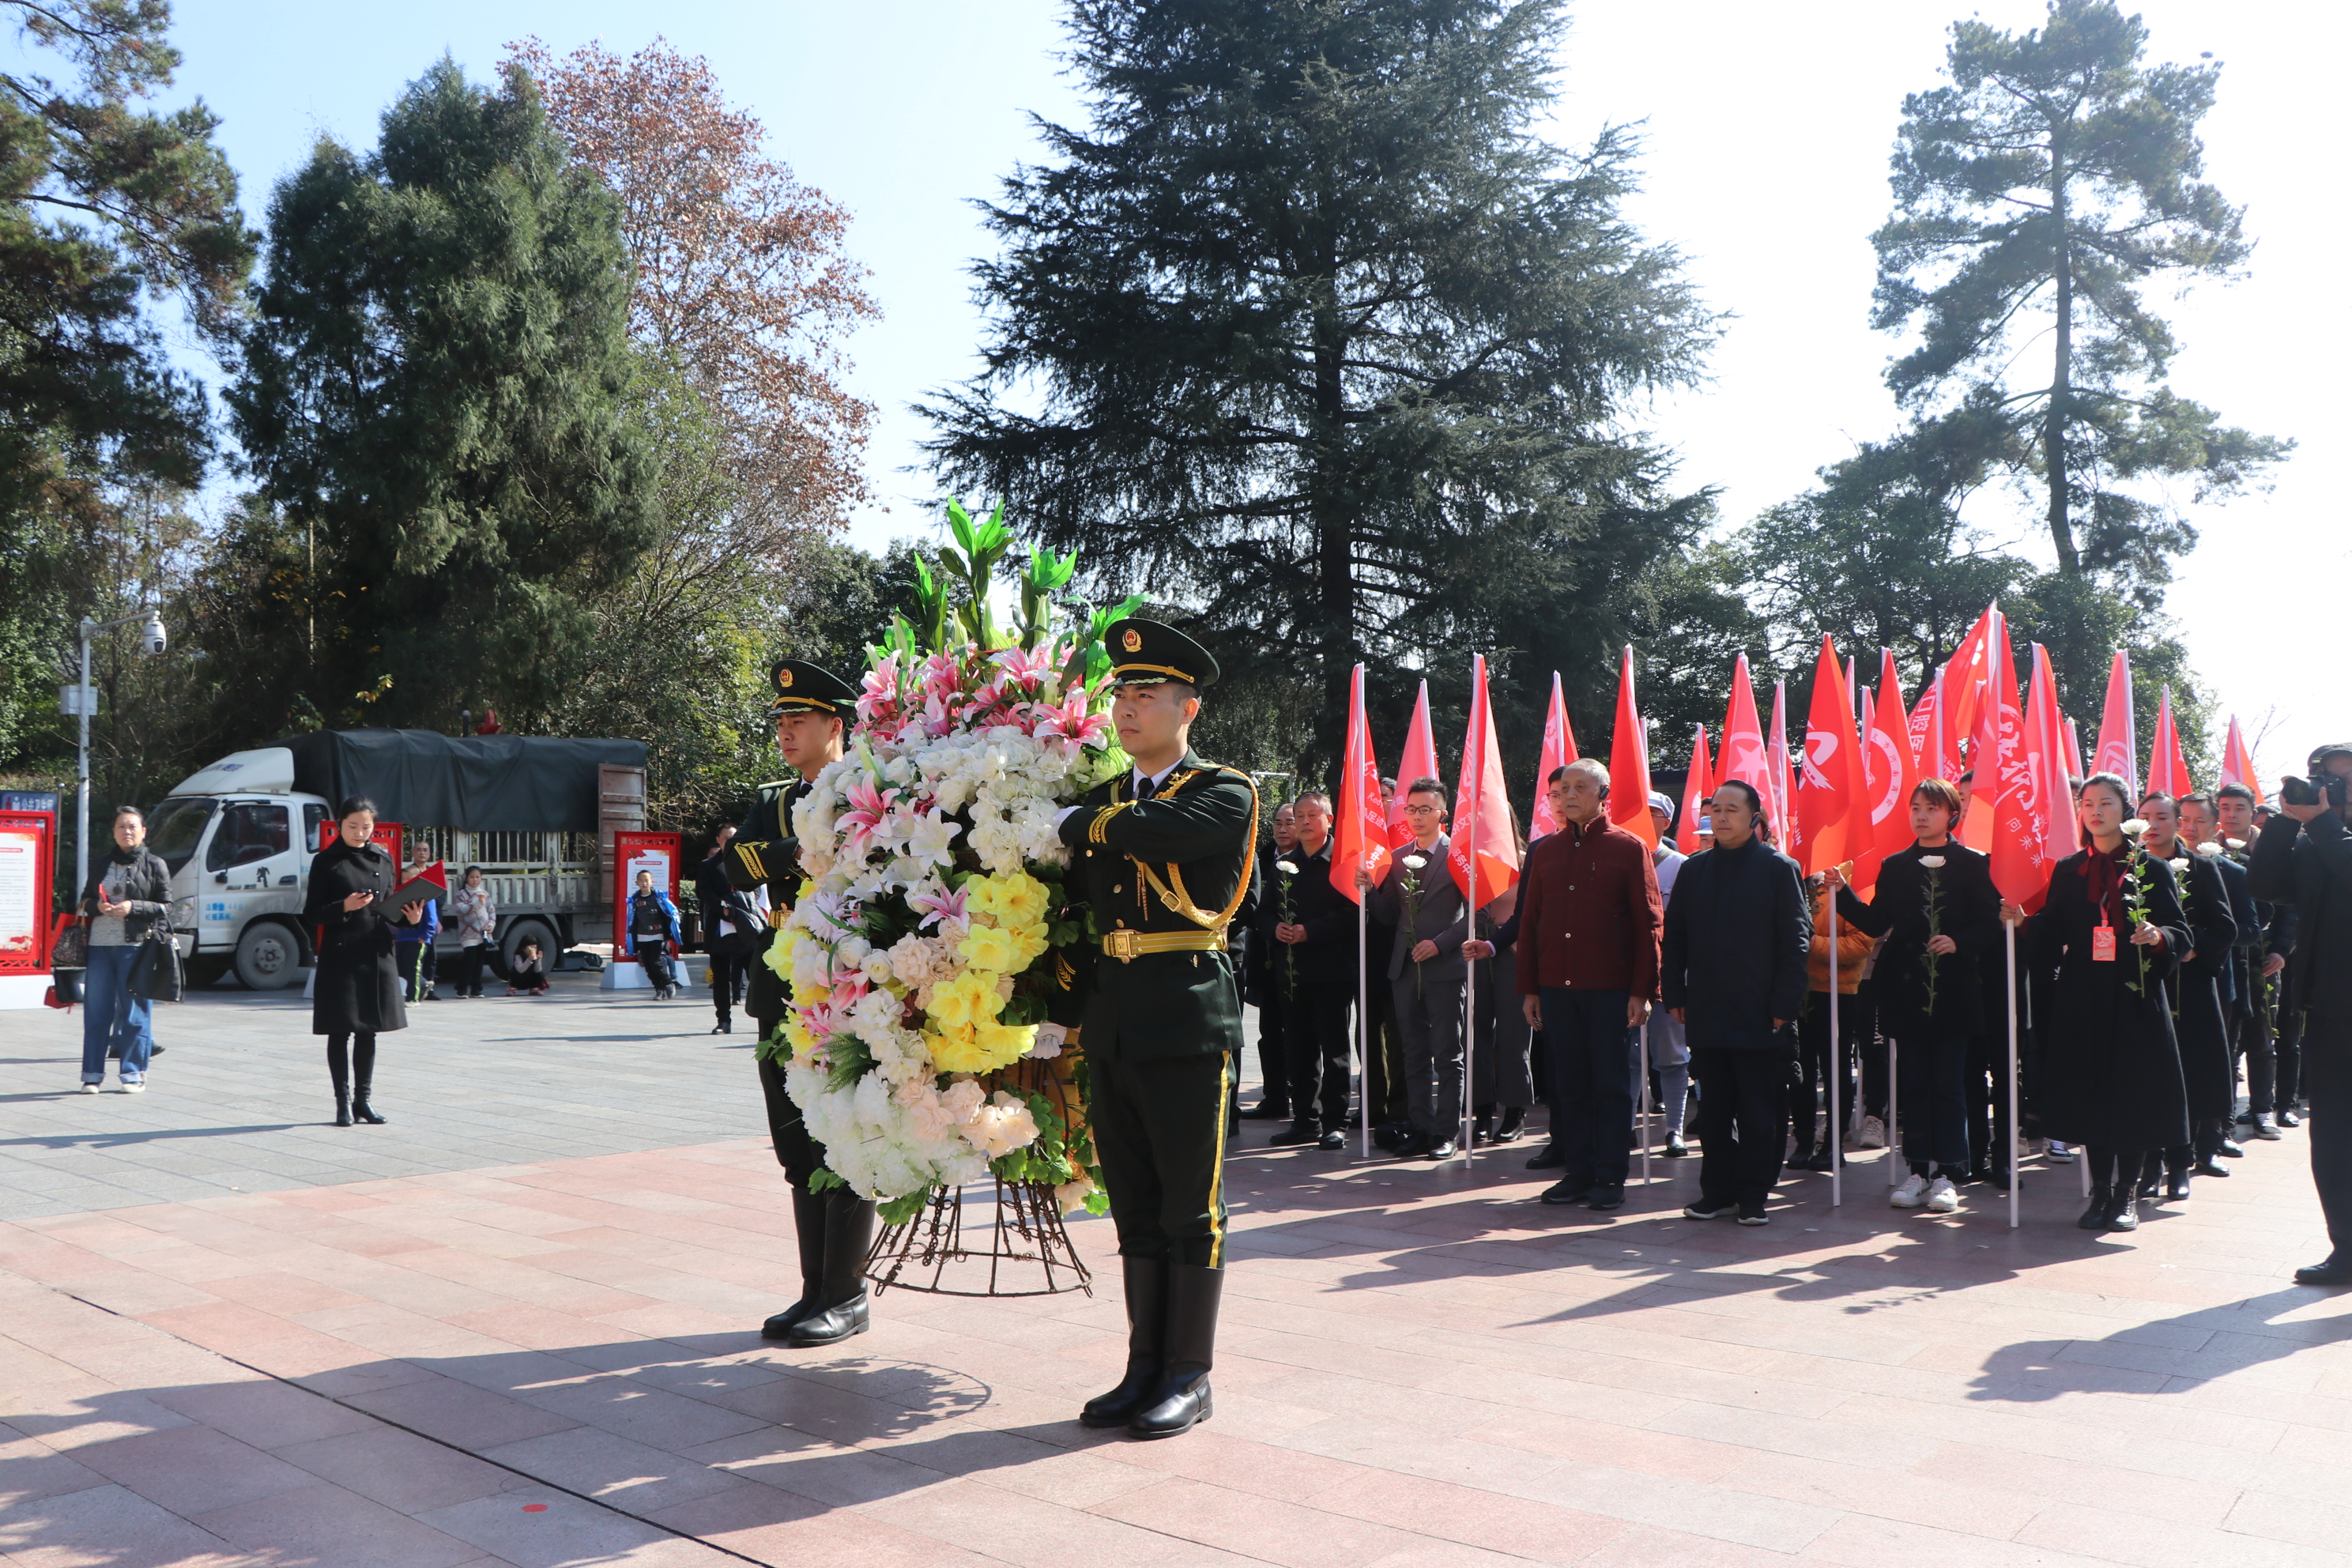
2103, 941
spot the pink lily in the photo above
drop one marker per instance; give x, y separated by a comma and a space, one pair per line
937, 907
1072, 725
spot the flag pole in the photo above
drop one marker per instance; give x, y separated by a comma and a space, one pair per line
1894, 1111
1642, 1075
1470, 971
2012, 931
1836, 1063
1363, 1051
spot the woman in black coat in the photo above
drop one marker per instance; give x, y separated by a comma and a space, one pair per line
357, 994
1940, 914
2110, 1068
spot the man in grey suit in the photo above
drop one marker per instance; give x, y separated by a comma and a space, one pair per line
1426, 972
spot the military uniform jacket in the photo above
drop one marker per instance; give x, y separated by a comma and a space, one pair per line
1138, 866
764, 853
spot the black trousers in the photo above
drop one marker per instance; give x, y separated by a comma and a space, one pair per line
1743, 1120
1868, 1045
1988, 1097
2327, 1078
2250, 1032
1315, 1048
471, 960
2286, 1050
1384, 1073
1933, 1104
1596, 1071
726, 983
1160, 1128
1820, 1066
800, 1154
1273, 1072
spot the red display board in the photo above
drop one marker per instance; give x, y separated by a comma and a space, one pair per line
386, 838
632, 852
27, 888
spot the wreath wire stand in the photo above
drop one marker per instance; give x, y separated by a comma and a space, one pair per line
1026, 1236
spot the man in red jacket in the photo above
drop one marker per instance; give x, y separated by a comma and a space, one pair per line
1588, 916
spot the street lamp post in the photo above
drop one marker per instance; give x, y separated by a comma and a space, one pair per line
151, 642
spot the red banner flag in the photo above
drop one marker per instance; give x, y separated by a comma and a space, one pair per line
2004, 780
1419, 762
1559, 750
1964, 676
2238, 763
1698, 788
2045, 749
1826, 796
1629, 762
1484, 853
1890, 774
1739, 744
2168, 769
2075, 758
1361, 837
2118, 746
1788, 833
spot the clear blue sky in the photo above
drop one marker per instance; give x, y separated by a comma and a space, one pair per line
1768, 132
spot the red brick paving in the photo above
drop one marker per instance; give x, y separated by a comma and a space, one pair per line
1417, 1368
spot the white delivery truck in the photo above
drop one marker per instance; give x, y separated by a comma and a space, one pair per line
537, 814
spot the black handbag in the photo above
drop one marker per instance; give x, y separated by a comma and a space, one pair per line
71, 950
156, 973
745, 937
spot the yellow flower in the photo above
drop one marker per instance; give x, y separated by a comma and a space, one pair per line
1014, 897
1006, 1043
798, 1034
1028, 942
779, 951
993, 948
966, 1000
957, 1050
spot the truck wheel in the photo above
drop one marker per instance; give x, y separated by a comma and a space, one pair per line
269, 957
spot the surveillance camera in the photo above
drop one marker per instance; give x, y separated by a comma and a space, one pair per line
151, 635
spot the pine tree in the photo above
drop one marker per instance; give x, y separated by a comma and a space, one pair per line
1312, 339
432, 396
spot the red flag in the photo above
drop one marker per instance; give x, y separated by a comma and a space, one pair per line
2074, 752
2238, 763
1629, 762
1965, 675
2045, 749
1787, 831
1419, 762
1361, 837
1698, 786
1483, 853
1559, 750
1826, 799
2167, 770
2118, 746
1889, 775
2018, 817
1740, 753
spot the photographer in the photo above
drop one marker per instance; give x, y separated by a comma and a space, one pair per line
2304, 858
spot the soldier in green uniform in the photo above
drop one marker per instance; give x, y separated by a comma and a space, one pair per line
812, 710
1163, 856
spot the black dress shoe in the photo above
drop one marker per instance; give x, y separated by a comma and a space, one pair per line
2094, 1215
1551, 1157
1335, 1139
2211, 1168
1571, 1190
1414, 1147
1443, 1149
1513, 1126
2124, 1214
1267, 1110
722, 1027
2267, 1130
2287, 1118
2229, 1151
2335, 1272
1297, 1132
2176, 1185
1604, 1198
1675, 1148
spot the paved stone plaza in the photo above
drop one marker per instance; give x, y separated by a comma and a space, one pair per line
512, 1327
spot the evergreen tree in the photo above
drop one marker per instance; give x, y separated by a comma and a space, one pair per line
433, 395
2043, 192
1311, 334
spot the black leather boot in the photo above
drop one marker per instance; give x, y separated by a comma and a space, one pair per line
339, 1070
1145, 1280
362, 1075
2095, 1217
342, 1108
808, 1222
2125, 1214
1182, 1395
842, 1310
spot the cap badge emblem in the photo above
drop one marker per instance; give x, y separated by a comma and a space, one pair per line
1133, 640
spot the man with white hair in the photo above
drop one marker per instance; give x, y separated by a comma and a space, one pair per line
1587, 972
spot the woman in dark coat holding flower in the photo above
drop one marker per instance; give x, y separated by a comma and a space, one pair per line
1937, 907
2112, 932
356, 996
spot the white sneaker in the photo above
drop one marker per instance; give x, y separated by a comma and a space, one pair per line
2059, 1153
1942, 1196
88, 1088
138, 1088
1911, 1194
1872, 1134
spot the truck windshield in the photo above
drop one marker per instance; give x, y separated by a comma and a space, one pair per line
177, 826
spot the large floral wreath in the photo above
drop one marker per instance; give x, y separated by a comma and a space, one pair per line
921, 951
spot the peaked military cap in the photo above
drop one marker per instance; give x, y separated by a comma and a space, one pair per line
1147, 653
800, 687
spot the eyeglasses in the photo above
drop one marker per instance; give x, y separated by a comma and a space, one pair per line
1424, 811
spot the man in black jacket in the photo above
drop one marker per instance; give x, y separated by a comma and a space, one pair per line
1311, 927
1733, 975
2304, 857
